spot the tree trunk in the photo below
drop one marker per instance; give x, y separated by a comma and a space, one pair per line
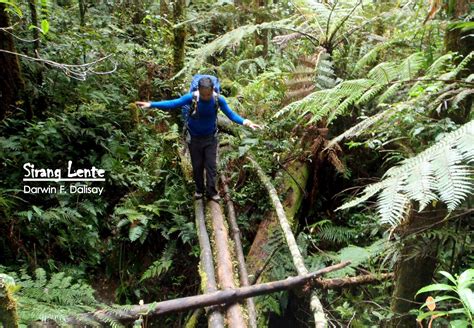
261, 37
225, 274
34, 22
243, 275
179, 35
415, 266
82, 13
219, 297
206, 266
455, 39
320, 320
11, 83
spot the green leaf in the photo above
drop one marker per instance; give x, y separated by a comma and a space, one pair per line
449, 276
135, 233
458, 324
467, 297
16, 9
37, 210
44, 26
429, 314
354, 254
435, 287
466, 278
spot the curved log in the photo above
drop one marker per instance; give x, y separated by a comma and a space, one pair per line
316, 306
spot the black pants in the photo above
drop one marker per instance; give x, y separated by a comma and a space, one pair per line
203, 152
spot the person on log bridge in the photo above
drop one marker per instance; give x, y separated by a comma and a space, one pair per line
201, 108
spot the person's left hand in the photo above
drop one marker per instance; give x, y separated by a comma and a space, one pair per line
252, 125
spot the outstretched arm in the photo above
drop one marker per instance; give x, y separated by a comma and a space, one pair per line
167, 104
234, 116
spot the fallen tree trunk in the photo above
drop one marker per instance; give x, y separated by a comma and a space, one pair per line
243, 275
316, 306
214, 298
225, 274
294, 184
208, 278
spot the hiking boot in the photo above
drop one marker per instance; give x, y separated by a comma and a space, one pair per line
197, 195
216, 198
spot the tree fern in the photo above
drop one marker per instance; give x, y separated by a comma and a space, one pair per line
312, 73
454, 91
333, 102
436, 173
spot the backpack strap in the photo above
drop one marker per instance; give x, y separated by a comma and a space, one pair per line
194, 107
194, 104
216, 106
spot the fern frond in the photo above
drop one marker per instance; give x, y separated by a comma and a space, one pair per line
439, 64
230, 39
362, 126
454, 181
384, 73
335, 234
411, 66
435, 173
390, 92
418, 185
163, 264
392, 203
371, 55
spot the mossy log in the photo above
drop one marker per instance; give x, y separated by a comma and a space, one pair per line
293, 188
224, 264
298, 261
243, 275
208, 279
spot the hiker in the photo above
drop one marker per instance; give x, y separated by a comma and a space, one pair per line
200, 107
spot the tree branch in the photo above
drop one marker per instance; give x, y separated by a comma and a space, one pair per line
78, 72
215, 298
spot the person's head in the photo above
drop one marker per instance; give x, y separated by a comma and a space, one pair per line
206, 88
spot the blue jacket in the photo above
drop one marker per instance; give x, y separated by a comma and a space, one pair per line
205, 121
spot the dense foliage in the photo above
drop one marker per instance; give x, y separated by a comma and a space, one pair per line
371, 96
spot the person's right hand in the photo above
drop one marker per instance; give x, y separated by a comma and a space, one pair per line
143, 104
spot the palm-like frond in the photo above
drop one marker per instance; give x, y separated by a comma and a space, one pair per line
438, 172
383, 78
230, 39
365, 124
312, 73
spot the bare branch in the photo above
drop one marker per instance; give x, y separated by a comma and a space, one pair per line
78, 72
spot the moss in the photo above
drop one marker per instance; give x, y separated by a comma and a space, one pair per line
295, 179
8, 313
203, 276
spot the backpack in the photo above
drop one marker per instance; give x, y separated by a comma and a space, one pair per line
192, 111
194, 89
